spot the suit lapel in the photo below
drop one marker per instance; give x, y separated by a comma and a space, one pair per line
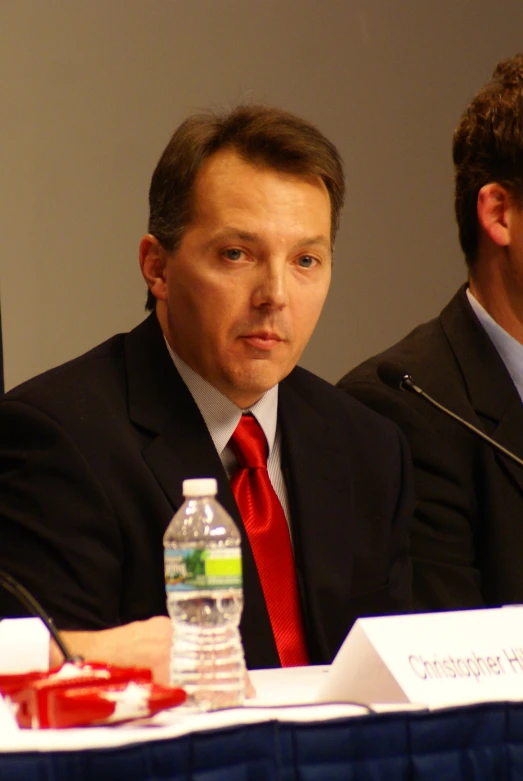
492, 393
184, 449
178, 447
317, 496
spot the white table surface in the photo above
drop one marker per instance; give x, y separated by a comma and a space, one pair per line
274, 688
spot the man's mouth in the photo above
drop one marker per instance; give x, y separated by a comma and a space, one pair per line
263, 340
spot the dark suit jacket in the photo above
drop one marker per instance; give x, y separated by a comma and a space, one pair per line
92, 458
467, 536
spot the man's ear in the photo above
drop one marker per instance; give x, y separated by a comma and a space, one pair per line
494, 210
153, 259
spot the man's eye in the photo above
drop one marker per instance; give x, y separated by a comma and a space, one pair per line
307, 261
233, 254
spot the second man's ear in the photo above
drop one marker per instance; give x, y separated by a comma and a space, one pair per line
153, 260
494, 210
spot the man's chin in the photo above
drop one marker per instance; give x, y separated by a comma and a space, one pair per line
249, 386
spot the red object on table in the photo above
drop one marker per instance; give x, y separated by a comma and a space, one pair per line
110, 704
69, 672
86, 693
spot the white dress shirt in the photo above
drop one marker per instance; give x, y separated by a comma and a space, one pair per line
221, 417
509, 349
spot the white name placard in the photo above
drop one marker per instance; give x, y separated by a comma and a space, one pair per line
432, 659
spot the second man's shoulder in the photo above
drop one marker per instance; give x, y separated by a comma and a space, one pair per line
338, 407
422, 354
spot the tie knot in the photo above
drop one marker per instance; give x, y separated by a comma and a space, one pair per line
249, 443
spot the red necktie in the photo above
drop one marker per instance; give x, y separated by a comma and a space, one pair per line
268, 534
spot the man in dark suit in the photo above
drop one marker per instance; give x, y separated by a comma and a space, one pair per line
467, 535
243, 212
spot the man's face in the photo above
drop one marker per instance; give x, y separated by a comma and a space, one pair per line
246, 285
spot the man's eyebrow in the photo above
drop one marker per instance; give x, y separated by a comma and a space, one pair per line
233, 233
228, 234
319, 239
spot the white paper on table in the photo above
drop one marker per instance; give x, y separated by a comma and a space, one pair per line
281, 686
24, 645
8, 723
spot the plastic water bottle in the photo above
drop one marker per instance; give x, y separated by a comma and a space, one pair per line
203, 581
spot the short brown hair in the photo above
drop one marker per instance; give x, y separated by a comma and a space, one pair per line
268, 136
488, 147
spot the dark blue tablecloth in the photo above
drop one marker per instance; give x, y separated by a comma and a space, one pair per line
475, 743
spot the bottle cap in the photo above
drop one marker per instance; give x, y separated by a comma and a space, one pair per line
200, 486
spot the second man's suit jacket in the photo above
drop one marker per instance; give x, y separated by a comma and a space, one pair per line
92, 459
467, 535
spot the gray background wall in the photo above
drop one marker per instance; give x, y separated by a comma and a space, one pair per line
91, 91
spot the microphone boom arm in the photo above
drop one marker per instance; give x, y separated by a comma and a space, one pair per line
35, 608
407, 383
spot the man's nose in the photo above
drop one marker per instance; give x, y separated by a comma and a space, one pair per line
272, 287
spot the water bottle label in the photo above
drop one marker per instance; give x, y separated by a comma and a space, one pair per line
187, 569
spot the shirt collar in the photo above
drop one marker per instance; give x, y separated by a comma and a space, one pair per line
220, 414
509, 349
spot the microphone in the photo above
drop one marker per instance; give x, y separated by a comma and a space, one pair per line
35, 608
395, 376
